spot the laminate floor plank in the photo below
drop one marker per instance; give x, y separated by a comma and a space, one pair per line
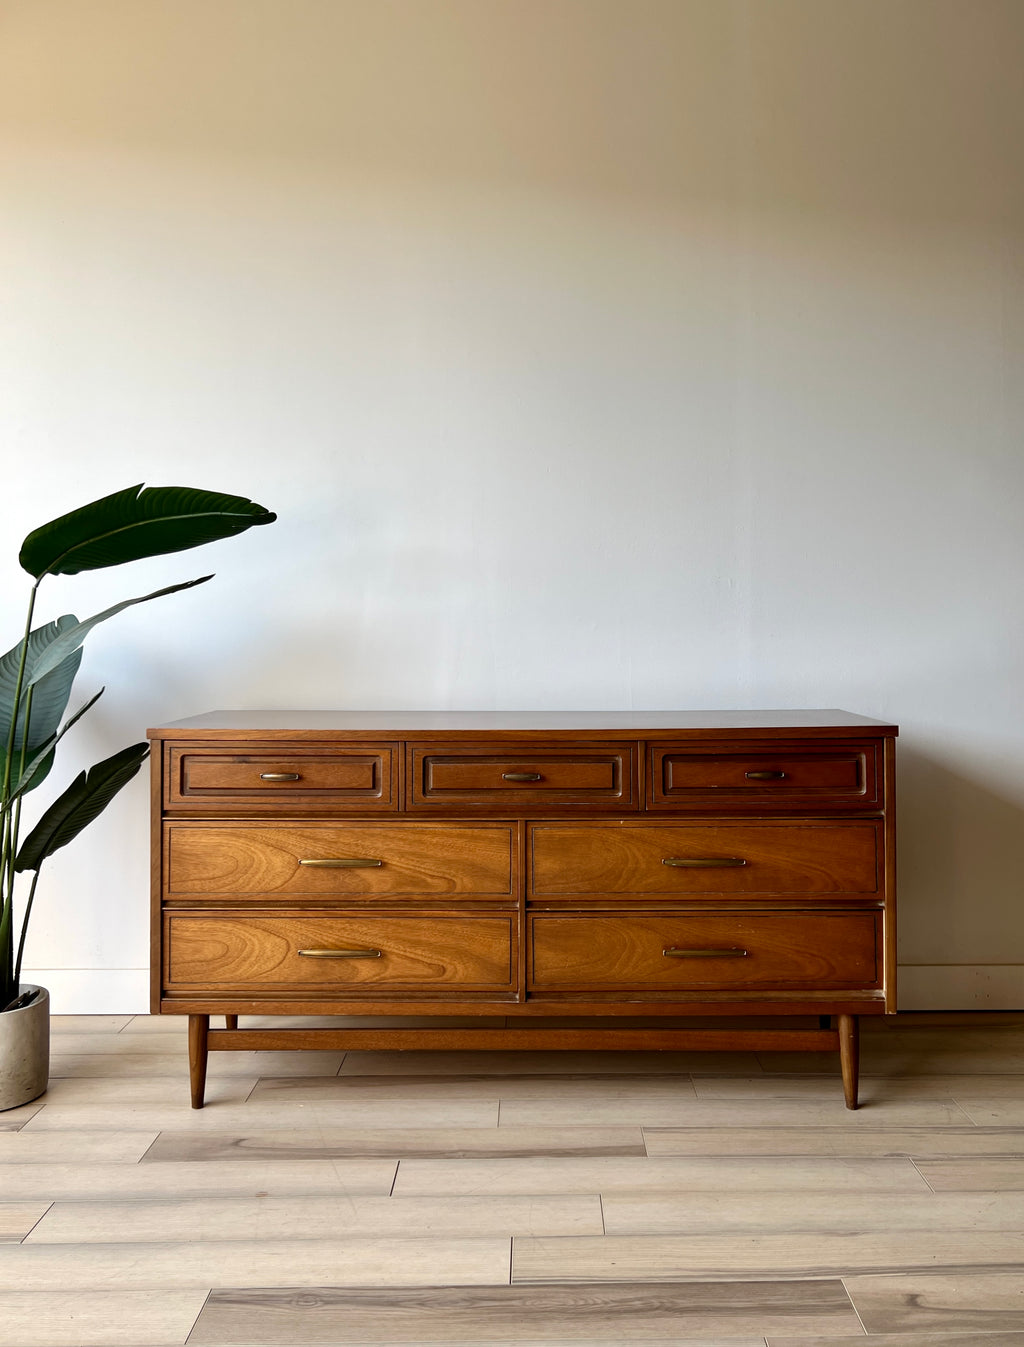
794, 1212
913, 1142
13, 1119
195, 1264
615, 1313
166, 1091
18, 1218
94, 1024
664, 1257
874, 1089
584, 1089
206, 1179
698, 1173
964, 1302
989, 1112
266, 1116
522, 1063
991, 1174
307, 1217
67, 1062
453, 1143
742, 1112
926, 1339
98, 1318
73, 1147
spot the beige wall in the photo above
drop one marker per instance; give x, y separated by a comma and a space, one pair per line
595, 353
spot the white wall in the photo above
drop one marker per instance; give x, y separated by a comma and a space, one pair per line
594, 353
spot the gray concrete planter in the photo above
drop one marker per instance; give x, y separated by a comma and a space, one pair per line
25, 1051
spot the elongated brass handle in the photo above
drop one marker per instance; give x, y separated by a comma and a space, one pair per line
703, 862
764, 776
280, 776
520, 776
673, 953
343, 863
341, 953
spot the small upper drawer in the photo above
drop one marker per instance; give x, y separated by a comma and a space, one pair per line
770, 858
360, 777
364, 861
500, 776
764, 777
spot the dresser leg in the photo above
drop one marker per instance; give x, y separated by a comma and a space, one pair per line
198, 1051
230, 1021
849, 1056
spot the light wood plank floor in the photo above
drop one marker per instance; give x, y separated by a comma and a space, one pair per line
542, 1200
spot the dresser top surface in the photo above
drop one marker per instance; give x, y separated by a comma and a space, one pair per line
313, 725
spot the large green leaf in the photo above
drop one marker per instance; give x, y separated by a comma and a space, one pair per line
72, 637
134, 523
84, 800
52, 685
37, 769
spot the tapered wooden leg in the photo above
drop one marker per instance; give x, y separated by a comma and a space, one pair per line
230, 1021
849, 1056
198, 1051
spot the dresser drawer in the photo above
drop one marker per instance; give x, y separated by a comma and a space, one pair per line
714, 952
330, 860
770, 776
499, 776
299, 951
359, 777
738, 859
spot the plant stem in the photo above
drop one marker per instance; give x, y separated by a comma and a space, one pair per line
24, 931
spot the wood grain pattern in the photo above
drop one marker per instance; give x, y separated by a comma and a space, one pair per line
960, 1302
447, 1143
780, 859
237, 952
613, 951
343, 778
336, 1315
482, 776
98, 1317
258, 860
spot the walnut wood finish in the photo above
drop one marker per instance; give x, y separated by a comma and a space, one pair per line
690, 860
373, 861
338, 955
631, 952
203, 778
599, 865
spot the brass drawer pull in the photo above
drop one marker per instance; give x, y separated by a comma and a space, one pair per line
341, 953
764, 776
280, 776
520, 776
703, 862
674, 953
344, 863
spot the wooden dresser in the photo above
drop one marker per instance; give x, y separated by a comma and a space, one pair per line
571, 880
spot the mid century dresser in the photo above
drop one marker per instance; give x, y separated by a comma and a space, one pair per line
625, 880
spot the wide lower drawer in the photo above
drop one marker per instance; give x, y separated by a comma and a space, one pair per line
297, 951
500, 776
358, 860
713, 952
359, 777
672, 860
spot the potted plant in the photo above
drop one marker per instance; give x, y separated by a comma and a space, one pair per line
35, 686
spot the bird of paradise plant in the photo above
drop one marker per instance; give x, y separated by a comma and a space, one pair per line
36, 677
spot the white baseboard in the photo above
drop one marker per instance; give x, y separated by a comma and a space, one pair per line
93, 991
125, 991
961, 986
